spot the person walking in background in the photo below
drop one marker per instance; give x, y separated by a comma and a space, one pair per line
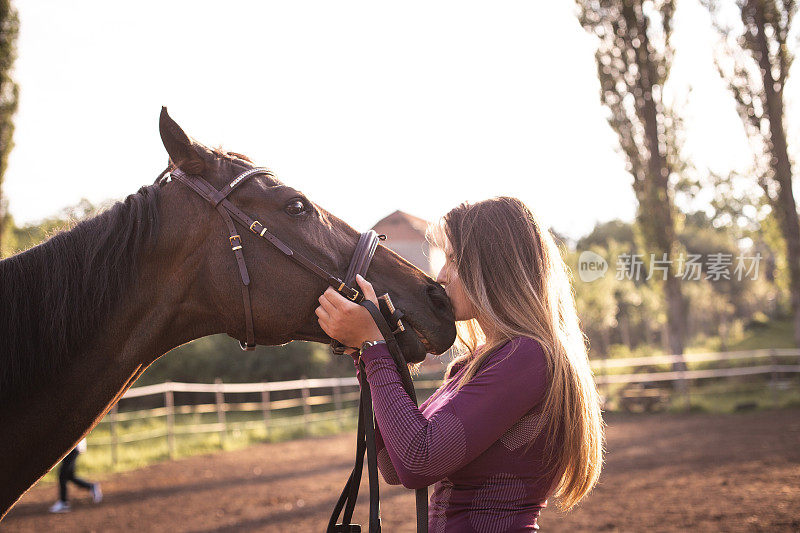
66, 472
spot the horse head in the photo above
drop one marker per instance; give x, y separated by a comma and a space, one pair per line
283, 295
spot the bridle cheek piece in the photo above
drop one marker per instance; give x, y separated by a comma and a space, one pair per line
384, 314
362, 257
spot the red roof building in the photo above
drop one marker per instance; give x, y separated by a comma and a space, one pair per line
405, 235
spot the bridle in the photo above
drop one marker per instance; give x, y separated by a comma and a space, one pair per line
229, 212
384, 316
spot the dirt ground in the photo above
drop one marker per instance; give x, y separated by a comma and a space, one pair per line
696, 472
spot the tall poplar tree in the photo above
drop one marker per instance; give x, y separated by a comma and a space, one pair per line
633, 59
754, 59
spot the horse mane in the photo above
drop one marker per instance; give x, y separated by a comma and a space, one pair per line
57, 296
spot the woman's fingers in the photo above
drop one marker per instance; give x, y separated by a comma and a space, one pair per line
367, 289
329, 316
329, 296
325, 322
322, 313
326, 304
342, 305
347, 321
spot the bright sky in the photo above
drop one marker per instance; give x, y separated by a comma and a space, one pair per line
367, 107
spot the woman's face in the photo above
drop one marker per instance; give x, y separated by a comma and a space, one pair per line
448, 277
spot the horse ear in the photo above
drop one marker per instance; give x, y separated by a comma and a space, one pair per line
180, 147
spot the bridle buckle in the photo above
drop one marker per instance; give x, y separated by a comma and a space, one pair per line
348, 292
261, 232
236, 242
355, 296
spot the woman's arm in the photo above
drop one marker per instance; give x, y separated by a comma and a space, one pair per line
423, 450
384, 460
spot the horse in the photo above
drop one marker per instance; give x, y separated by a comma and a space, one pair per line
86, 312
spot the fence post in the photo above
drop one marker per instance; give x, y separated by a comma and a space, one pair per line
337, 403
114, 438
169, 404
679, 364
306, 406
266, 410
606, 387
687, 402
220, 400
773, 379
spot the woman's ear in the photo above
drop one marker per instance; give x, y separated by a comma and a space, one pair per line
181, 149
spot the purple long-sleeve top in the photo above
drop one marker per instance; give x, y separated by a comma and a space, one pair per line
480, 446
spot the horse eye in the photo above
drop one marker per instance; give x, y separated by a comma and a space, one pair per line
295, 207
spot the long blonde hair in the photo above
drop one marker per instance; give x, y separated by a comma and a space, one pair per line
516, 279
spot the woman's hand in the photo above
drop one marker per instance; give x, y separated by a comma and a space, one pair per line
346, 321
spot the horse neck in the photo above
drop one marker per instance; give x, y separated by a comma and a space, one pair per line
40, 423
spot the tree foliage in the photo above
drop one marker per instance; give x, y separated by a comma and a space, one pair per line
19, 238
621, 315
754, 57
634, 56
9, 93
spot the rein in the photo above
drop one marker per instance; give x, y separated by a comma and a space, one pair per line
383, 315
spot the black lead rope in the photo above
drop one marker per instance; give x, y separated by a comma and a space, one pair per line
365, 443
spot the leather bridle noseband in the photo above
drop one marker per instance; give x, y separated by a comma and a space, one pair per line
383, 317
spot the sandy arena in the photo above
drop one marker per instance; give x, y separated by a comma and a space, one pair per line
695, 472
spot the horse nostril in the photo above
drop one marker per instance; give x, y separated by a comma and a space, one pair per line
439, 298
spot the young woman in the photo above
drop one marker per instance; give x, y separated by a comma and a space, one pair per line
518, 417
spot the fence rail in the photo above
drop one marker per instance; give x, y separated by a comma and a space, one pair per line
317, 400
693, 358
227, 388
337, 393
679, 375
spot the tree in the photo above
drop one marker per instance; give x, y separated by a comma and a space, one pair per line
633, 59
597, 305
20, 238
754, 59
9, 93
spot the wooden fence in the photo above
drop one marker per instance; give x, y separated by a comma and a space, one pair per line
332, 394
335, 394
622, 371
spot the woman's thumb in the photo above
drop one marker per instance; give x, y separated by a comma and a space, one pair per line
366, 287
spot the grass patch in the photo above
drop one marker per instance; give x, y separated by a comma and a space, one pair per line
731, 397
722, 396
772, 334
